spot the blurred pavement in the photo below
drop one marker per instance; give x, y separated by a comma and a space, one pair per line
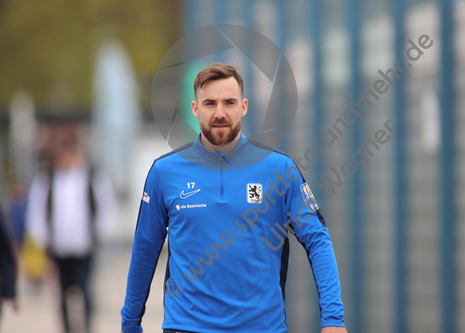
39, 312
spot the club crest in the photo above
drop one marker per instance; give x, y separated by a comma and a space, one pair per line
254, 193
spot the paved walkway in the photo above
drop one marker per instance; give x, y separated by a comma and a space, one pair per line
40, 312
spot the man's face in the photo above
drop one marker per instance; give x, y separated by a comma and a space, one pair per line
219, 107
67, 157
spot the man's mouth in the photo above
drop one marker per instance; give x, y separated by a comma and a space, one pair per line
220, 126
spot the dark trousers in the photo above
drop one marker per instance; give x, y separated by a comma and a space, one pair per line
75, 272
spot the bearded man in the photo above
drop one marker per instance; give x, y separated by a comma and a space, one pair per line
234, 201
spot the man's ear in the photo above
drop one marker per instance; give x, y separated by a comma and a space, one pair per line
245, 103
195, 109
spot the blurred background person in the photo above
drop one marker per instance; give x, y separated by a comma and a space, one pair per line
17, 211
8, 267
69, 214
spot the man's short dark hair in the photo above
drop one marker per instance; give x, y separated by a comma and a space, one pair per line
217, 71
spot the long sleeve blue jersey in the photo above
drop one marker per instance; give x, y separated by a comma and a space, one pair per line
228, 219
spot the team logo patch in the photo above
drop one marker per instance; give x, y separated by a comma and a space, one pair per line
309, 198
146, 197
254, 193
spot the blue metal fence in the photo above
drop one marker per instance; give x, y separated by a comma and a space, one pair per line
448, 175
400, 176
355, 262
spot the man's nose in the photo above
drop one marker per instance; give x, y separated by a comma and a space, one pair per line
220, 111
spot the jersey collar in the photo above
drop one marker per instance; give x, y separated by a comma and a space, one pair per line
216, 156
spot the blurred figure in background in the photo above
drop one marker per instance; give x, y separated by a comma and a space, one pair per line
69, 214
7, 267
33, 255
17, 210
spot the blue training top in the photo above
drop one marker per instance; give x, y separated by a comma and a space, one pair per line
229, 218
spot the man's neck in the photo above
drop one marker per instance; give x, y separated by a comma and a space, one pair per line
222, 149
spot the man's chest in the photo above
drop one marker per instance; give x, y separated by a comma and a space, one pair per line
196, 197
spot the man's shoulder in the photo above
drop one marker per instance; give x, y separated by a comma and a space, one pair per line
268, 151
171, 156
168, 164
264, 146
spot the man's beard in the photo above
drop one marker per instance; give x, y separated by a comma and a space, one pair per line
220, 138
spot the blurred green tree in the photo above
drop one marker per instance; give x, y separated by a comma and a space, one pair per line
48, 47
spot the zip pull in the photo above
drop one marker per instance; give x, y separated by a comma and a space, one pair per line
225, 160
